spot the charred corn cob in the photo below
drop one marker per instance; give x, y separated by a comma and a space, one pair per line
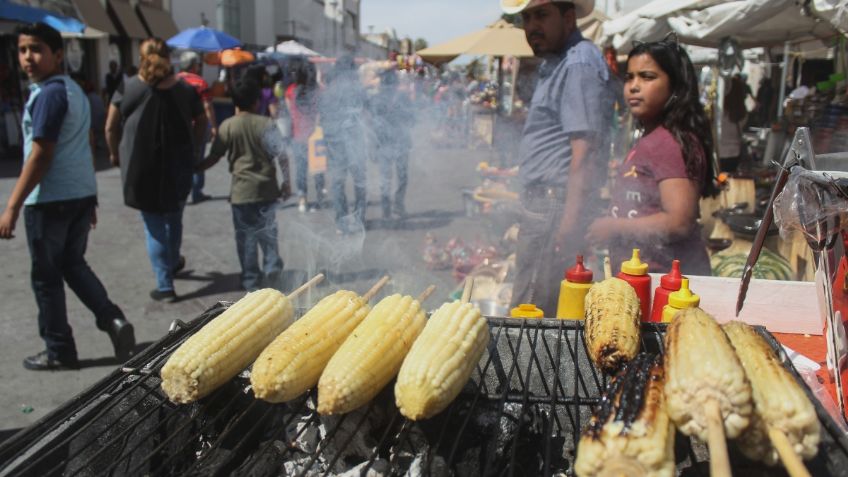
371, 356
630, 433
701, 367
612, 324
441, 360
779, 402
226, 345
293, 362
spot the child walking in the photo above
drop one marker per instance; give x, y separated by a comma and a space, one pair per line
655, 204
254, 190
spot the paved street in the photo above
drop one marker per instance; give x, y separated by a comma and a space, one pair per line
308, 243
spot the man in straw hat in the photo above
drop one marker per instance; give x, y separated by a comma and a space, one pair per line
564, 147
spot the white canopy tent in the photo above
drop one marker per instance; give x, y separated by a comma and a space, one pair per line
293, 48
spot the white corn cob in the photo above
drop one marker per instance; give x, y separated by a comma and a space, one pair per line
701, 367
371, 356
441, 360
612, 324
630, 433
293, 362
226, 345
779, 402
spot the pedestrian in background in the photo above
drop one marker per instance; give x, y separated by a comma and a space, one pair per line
342, 107
58, 191
301, 100
153, 127
114, 78
393, 118
190, 73
731, 147
253, 196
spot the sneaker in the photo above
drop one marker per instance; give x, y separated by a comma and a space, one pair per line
301, 205
123, 338
168, 296
43, 362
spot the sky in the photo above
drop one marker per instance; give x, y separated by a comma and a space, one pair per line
441, 20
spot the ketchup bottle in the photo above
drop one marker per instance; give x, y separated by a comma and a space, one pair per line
669, 283
635, 272
573, 290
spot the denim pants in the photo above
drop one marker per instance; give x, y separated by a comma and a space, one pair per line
346, 154
57, 236
256, 228
164, 235
393, 159
198, 180
301, 159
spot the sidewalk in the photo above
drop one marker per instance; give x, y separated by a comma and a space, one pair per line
308, 244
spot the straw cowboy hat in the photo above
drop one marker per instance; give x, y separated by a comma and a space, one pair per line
582, 7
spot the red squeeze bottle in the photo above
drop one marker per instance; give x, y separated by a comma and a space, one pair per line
668, 283
635, 272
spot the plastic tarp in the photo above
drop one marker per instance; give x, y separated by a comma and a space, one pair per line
753, 23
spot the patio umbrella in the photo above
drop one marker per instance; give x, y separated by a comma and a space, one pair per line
203, 39
26, 14
498, 39
229, 58
293, 48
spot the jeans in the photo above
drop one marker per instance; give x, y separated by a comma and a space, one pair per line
198, 180
346, 154
301, 159
164, 235
397, 158
256, 228
57, 236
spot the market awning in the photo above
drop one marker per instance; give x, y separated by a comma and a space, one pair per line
95, 16
158, 22
498, 39
26, 14
128, 19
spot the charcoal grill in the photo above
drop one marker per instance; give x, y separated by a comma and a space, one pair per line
520, 414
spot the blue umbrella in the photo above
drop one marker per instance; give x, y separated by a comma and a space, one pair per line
203, 39
25, 14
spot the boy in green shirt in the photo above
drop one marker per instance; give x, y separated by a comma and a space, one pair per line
243, 138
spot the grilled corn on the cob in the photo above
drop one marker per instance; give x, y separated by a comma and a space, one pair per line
779, 402
226, 345
371, 356
441, 360
701, 367
612, 323
293, 362
630, 433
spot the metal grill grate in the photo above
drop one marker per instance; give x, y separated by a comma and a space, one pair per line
520, 414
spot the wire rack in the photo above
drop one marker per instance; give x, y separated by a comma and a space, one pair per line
520, 414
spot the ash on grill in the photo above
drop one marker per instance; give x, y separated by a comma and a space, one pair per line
521, 414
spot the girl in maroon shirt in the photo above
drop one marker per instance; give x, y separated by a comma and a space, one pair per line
658, 187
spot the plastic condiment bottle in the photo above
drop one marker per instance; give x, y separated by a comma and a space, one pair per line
679, 300
669, 283
573, 290
526, 310
635, 272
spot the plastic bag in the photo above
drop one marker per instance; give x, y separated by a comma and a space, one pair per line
815, 203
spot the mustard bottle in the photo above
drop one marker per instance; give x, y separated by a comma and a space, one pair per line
679, 300
526, 310
573, 290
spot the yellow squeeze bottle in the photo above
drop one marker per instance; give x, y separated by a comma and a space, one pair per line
679, 300
573, 290
526, 310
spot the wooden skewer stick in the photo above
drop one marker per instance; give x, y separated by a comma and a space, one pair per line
426, 293
376, 288
791, 460
306, 286
466, 292
719, 460
607, 268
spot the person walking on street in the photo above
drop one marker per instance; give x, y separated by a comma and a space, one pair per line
153, 127
564, 147
190, 73
243, 139
301, 100
393, 118
58, 191
341, 106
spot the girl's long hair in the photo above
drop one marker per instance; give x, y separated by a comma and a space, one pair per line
684, 114
155, 60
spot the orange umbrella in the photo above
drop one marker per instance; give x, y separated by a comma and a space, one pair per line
228, 58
